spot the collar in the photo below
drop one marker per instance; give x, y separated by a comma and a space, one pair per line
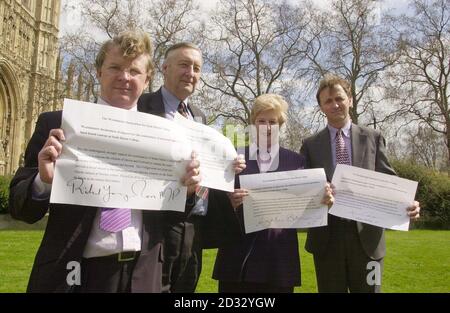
170, 100
345, 130
254, 150
103, 102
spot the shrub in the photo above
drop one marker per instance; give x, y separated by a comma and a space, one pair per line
433, 193
4, 193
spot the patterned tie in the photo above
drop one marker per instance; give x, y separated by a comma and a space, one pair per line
182, 109
114, 220
341, 150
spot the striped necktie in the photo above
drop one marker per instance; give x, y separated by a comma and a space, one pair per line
341, 150
182, 109
114, 220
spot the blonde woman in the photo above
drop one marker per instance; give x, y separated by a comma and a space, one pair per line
267, 260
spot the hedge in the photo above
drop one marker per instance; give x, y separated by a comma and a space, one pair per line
433, 193
4, 193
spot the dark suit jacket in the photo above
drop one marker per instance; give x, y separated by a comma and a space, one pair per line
69, 226
153, 103
368, 151
269, 256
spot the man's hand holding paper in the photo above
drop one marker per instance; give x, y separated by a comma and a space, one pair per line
373, 198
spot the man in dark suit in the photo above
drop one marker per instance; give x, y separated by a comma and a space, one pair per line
116, 250
346, 252
182, 246
183, 241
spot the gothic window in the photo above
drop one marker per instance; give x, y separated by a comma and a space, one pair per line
42, 52
2, 18
13, 34
27, 47
50, 48
22, 40
27, 4
48, 8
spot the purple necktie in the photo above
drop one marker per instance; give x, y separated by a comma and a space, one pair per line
341, 150
182, 109
114, 220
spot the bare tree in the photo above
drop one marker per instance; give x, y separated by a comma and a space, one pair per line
250, 47
420, 83
79, 51
171, 21
352, 40
114, 16
295, 129
427, 147
167, 21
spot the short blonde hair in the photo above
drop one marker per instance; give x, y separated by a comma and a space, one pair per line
270, 101
330, 81
132, 43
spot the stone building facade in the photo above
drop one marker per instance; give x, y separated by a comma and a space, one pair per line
28, 72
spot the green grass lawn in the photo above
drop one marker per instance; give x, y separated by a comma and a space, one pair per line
416, 261
17, 251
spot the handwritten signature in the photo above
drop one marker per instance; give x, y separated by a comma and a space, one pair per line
138, 189
289, 218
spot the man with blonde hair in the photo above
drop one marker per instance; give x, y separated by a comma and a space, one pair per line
88, 249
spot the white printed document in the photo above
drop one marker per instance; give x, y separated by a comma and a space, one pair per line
121, 159
290, 199
371, 197
215, 152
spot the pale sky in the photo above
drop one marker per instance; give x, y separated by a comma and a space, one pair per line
72, 19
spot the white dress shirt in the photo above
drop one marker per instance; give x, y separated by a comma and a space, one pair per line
267, 162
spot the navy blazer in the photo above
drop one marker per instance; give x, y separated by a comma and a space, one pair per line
269, 256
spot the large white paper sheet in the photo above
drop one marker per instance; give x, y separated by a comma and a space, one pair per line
215, 152
372, 197
290, 199
119, 158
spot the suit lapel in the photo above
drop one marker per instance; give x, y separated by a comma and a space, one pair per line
322, 148
153, 106
358, 143
252, 164
153, 103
